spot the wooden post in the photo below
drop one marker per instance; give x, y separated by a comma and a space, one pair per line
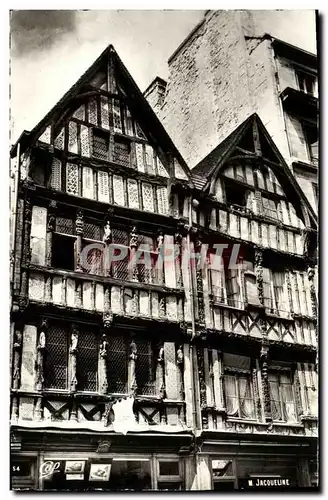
132, 383
264, 358
103, 355
17, 346
26, 251
133, 275
72, 360
79, 224
50, 229
40, 355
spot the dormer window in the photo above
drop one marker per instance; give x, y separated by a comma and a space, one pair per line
307, 82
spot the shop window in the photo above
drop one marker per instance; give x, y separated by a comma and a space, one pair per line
282, 397
312, 140
87, 362
307, 82
56, 357
223, 475
133, 475
100, 145
169, 475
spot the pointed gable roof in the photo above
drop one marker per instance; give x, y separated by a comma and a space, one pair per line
208, 169
147, 118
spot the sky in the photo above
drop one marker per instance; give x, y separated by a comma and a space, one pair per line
51, 49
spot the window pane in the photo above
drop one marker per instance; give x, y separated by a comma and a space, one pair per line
145, 372
130, 475
169, 469
117, 365
56, 357
100, 146
122, 153
231, 395
87, 364
246, 401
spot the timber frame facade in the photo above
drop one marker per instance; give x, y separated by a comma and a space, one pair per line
175, 376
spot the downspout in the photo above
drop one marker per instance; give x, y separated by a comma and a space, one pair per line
193, 324
14, 221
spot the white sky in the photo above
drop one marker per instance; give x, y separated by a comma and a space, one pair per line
51, 49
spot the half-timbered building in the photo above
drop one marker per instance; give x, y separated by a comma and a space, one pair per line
163, 321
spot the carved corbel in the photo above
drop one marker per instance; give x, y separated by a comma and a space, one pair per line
51, 223
73, 355
311, 273
40, 355
160, 258
107, 319
258, 261
17, 346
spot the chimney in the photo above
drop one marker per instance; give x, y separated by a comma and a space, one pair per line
155, 93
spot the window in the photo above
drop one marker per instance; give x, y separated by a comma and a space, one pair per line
311, 394
169, 475
56, 357
238, 395
63, 242
315, 192
307, 82
238, 389
93, 254
100, 145
312, 140
236, 195
118, 360
270, 208
282, 398
223, 475
226, 283
87, 362
122, 151
275, 292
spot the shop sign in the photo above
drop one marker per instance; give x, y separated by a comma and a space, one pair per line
99, 472
265, 482
74, 477
48, 468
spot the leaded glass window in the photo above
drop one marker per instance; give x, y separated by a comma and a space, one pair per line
117, 121
100, 145
128, 123
72, 137
145, 368
122, 153
56, 357
46, 136
80, 113
117, 365
87, 361
87, 182
149, 159
103, 187
160, 168
162, 201
140, 157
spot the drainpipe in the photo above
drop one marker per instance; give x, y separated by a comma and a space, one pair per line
14, 221
193, 324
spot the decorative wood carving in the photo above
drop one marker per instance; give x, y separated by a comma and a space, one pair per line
40, 355
38, 409
258, 261
14, 409
132, 368
180, 363
79, 226
160, 372
257, 400
160, 259
17, 357
103, 355
202, 385
178, 259
134, 239
264, 358
50, 229
73, 354
26, 251
311, 273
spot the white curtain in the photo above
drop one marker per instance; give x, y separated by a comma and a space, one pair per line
231, 395
287, 397
275, 398
246, 400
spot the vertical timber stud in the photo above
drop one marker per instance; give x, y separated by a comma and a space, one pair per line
160, 377
178, 257
79, 226
51, 223
107, 240
26, 253
199, 282
40, 367
180, 365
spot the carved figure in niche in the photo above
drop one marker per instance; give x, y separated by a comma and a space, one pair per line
74, 339
160, 358
104, 346
180, 358
133, 237
160, 240
107, 238
133, 350
42, 340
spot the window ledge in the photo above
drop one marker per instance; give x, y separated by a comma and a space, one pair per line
276, 423
246, 421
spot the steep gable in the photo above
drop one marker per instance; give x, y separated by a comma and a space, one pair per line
248, 160
104, 116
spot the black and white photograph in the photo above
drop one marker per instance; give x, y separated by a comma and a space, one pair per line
163, 198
